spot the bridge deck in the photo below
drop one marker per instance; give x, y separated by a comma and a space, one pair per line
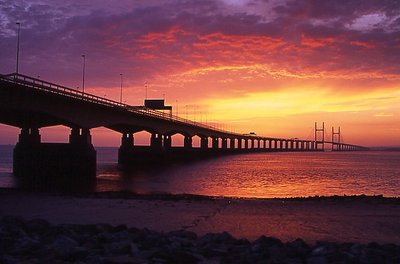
145, 113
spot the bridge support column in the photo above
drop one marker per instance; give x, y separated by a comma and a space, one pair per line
156, 141
252, 146
29, 136
224, 144
232, 143
239, 143
187, 144
215, 143
204, 143
167, 142
58, 165
246, 143
80, 136
268, 146
127, 140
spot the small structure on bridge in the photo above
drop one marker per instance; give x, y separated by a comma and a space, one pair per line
157, 104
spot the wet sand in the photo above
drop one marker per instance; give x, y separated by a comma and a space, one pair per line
337, 219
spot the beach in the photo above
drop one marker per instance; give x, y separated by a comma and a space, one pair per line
163, 228
335, 219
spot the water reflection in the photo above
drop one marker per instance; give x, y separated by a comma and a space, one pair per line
268, 175
248, 175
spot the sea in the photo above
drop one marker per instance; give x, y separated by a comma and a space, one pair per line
255, 175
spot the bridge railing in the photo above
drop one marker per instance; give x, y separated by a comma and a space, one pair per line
72, 93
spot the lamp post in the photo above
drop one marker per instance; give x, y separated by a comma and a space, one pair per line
83, 73
145, 86
120, 96
18, 36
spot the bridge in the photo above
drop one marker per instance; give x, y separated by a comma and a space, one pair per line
31, 103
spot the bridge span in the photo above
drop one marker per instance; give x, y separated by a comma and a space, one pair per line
30, 104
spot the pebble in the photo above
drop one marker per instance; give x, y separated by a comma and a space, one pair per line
37, 241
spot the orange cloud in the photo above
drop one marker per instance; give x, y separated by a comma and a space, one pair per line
316, 42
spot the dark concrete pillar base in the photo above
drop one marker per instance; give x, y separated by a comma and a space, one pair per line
54, 163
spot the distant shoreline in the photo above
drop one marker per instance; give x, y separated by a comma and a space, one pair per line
193, 197
379, 148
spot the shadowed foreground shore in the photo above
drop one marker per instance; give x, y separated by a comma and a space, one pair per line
356, 229
37, 241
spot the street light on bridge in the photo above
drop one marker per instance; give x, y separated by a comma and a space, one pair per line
18, 36
120, 96
83, 73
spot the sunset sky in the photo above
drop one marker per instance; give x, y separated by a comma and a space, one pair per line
270, 66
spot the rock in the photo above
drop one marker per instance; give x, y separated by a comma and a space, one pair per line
79, 253
122, 235
119, 228
153, 240
25, 245
217, 238
317, 260
118, 248
263, 243
183, 256
93, 259
183, 234
134, 249
63, 246
37, 226
38, 241
100, 228
324, 248
297, 249
103, 237
124, 259
6, 259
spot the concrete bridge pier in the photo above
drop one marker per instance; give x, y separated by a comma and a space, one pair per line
232, 144
239, 146
167, 142
187, 144
54, 164
224, 144
215, 142
301, 145
127, 140
156, 142
286, 145
267, 146
280, 144
275, 144
204, 143
246, 143
126, 148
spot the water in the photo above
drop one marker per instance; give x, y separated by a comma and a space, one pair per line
258, 175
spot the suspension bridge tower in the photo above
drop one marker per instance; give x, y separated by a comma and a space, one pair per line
317, 132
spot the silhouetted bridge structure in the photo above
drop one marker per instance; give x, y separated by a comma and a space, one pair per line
30, 104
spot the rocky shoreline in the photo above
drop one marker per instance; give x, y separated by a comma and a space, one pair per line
38, 241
